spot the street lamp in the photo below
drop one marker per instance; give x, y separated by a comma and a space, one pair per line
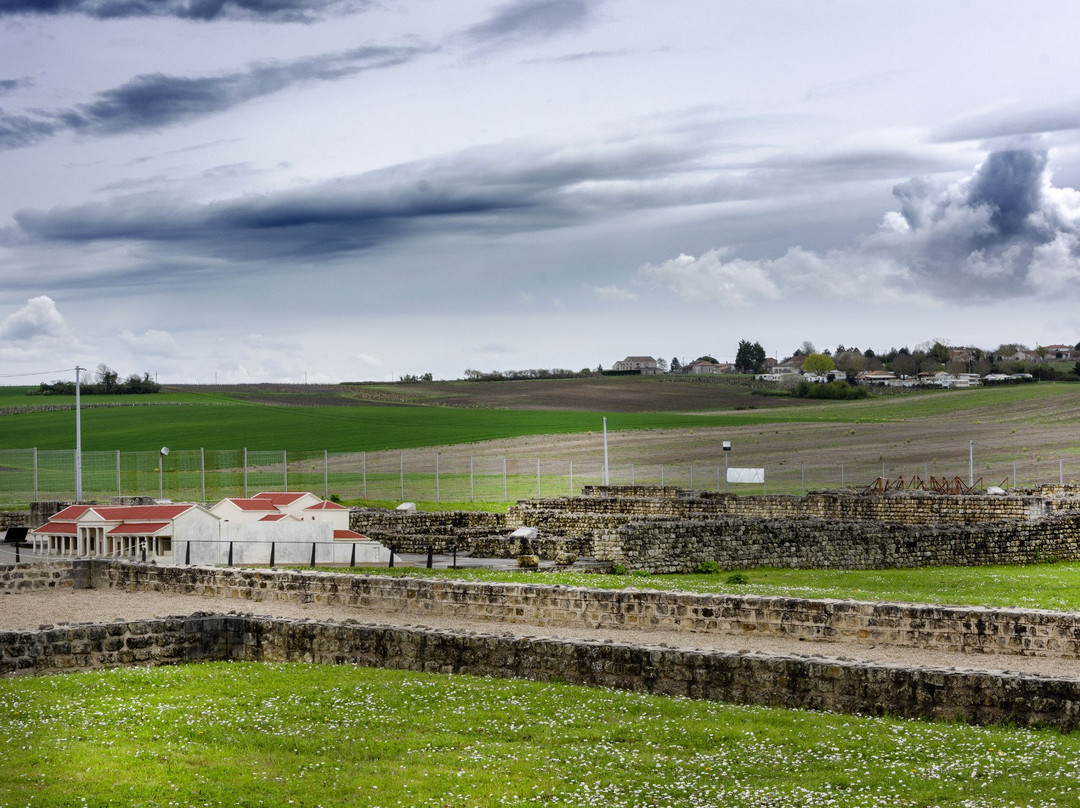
727, 448
161, 472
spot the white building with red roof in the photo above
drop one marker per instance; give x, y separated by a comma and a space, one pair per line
288, 526
124, 530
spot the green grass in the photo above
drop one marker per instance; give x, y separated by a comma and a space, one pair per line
215, 421
1041, 586
226, 734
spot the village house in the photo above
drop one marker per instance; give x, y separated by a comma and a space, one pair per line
643, 364
1061, 353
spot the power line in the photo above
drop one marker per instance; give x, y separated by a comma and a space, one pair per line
39, 373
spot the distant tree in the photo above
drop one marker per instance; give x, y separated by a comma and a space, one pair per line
938, 353
661, 364
1076, 367
108, 377
903, 364
675, 366
850, 361
706, 358
807, 348
749, 357
818, 363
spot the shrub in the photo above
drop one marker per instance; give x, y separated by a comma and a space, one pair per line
738, 578
708, 568
834, 391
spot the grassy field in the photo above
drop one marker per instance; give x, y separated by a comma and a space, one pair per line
226, 734
1039, 586
191, 419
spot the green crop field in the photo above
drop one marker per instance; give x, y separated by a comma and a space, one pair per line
190, 420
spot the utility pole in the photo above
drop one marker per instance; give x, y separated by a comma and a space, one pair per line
78, 437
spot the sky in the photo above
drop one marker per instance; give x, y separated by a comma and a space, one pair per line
241, 191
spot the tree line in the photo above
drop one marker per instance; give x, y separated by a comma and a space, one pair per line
108, 384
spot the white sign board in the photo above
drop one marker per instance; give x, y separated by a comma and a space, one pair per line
746, 476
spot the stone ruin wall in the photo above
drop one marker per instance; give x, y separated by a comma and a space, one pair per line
665, 529
780, 681
974, 630
791, 682
675, 546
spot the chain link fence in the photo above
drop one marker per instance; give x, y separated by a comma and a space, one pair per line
28, 475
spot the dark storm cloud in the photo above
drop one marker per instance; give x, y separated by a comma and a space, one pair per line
1003, 232
11, 85
202, 10
525, 20
491, 191
156, 100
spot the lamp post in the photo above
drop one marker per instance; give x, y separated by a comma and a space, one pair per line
161, 472
727, 448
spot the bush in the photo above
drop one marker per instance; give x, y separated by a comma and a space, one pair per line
708, 568
618, 569
834, 391
738, 578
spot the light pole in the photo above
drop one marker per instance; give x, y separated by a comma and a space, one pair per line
727, 448
161, 472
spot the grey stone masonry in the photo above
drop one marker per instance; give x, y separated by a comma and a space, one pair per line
973, 630
777, 681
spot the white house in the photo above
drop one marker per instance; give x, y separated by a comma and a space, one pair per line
644, 364
246, 530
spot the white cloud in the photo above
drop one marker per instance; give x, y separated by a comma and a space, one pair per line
38, 320
711, 277
613, 294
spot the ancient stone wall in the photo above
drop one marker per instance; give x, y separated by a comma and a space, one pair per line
972, 630
168, 641
789, 682
49, 575
14, 519
671, 546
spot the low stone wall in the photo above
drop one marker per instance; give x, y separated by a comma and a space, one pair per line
971, 630
14, 519
672, 546
167, 641
789, 682
49, 575
903, 507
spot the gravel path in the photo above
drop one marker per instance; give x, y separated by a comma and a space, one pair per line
31, 610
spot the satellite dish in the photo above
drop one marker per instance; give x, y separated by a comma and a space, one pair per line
164, 451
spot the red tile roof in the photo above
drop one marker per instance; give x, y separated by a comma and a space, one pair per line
280, 497
120, 513
57, 528
347, 535
253, 504
326, 505
70, 512
274, 517
137, 528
